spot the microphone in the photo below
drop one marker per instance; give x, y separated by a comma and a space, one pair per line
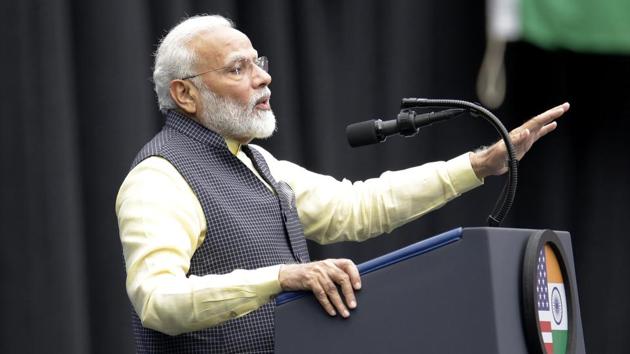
406, 124
415, 102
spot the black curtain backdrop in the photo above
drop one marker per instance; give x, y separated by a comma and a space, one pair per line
77, 104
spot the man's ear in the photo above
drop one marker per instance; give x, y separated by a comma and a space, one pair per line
185, 96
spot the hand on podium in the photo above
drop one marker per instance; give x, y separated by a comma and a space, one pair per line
322, 278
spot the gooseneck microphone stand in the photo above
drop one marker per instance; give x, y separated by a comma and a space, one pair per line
506, 199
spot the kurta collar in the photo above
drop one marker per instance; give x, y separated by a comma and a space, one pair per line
233, 145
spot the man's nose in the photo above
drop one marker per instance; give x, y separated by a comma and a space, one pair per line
260, 77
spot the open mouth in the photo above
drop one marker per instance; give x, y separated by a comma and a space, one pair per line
263, 103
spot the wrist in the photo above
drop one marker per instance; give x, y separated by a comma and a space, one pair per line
284, 276
479, 162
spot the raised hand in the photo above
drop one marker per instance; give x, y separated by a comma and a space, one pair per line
493, 160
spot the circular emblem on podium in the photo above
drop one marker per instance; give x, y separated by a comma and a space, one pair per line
548, 288
556, 306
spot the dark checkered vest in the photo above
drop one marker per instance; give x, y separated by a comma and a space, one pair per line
249, 227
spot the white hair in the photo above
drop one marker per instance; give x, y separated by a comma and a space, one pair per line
174, 59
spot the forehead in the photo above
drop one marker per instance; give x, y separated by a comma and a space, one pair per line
221, 45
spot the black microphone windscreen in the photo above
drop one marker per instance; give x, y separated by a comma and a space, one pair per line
362, 133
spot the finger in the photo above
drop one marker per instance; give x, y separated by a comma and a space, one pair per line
343, 280
334, 297
322, 297
351, 269
550, 115
547, 129
566, 106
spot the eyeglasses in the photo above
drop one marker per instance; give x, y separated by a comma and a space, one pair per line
240, 69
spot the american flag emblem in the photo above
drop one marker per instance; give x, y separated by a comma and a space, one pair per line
542, 301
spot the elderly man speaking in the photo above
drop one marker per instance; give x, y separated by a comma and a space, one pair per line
214, 227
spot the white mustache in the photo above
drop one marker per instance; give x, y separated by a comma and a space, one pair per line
263, 94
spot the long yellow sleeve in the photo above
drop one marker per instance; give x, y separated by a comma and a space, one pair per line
334, 211
162, 224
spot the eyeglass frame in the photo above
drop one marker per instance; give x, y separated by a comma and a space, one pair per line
261, 62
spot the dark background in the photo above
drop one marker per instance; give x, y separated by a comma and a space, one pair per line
77, 104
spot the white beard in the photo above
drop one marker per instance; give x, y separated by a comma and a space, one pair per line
231, 119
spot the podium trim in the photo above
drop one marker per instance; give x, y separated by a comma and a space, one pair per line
388, 259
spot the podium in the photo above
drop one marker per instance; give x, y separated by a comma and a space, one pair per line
457, 292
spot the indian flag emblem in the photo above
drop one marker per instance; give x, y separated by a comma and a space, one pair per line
551, 302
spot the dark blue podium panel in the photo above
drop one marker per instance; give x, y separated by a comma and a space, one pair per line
458, 292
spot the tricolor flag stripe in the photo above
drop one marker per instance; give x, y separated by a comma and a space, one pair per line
560, 339
553, 267
547, 337
559, 308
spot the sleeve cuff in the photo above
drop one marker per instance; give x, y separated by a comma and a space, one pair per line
462, 175
269, 283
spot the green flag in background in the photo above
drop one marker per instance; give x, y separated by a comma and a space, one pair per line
593, 26
584, 26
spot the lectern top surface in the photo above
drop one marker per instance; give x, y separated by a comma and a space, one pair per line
388, 259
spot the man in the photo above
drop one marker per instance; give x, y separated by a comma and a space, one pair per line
213, 228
